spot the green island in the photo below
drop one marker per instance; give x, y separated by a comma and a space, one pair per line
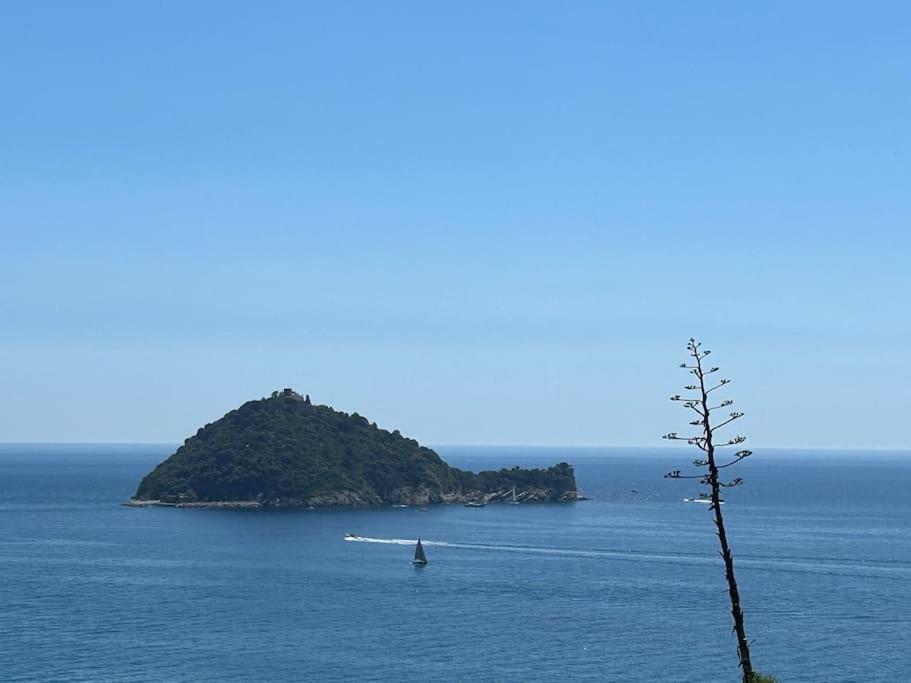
285, 452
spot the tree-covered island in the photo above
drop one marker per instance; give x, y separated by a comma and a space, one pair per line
283, 451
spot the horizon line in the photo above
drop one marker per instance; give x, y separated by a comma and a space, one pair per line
661, 447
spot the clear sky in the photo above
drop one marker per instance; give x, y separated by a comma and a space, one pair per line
479, 222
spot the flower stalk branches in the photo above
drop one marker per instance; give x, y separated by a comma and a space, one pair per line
706, 438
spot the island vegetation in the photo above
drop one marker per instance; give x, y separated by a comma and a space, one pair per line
284, 451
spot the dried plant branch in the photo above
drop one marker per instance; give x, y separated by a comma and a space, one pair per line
706, 443
734, 416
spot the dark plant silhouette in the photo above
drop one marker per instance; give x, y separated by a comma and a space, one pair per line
698, 401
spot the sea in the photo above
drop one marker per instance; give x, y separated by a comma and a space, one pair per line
628, 586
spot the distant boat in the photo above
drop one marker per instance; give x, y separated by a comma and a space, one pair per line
703, 501
399, 505
420, 559
514, 501
474, 504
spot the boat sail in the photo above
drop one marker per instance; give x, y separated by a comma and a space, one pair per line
514, 501
420, 559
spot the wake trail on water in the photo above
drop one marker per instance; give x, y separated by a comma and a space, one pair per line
840, 567
392, 541
537, 549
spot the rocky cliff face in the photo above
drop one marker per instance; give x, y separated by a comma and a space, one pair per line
283, 451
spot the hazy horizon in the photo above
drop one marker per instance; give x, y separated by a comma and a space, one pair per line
498, 448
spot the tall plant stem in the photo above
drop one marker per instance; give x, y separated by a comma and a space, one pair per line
743, 646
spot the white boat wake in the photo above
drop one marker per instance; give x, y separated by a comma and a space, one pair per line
832, 566
399, 541
540, 550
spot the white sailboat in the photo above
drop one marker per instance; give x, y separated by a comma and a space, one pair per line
514, 501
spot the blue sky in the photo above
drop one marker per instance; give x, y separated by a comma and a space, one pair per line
477, 222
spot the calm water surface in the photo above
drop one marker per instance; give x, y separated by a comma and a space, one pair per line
627, 587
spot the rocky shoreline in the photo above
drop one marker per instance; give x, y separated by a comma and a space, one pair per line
419, 497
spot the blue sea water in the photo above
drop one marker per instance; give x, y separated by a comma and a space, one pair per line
626, 587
